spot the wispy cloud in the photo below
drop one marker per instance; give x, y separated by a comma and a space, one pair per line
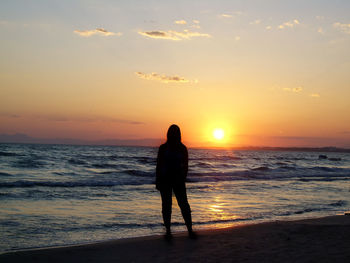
299, 89
195, 24
180, 22
163, 78
226, 15
255, 22
296, 89
345, 28
315, 95
98, 31
172, 35
289, 24
231, 14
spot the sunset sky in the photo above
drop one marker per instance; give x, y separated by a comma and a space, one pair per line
268, 73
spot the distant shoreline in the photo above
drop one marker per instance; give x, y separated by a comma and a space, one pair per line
242, 148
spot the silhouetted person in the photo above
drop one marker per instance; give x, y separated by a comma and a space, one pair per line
171, 173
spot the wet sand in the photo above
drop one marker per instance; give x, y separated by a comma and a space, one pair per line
313, 240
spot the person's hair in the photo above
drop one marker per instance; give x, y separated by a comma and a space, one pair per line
174, 134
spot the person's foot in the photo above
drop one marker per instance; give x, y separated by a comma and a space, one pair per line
192, 235
168, 231
168, 236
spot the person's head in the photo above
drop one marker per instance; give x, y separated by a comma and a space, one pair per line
174, 134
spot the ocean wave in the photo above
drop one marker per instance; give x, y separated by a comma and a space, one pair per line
140, 177
155, 225
76, 161
261, 168
317, 208
114, 157
66, 173
8, 154
338, 203
5, 174
223, 221
105, 166
266, 173
176, 223
287, 167
204, 165
323, 168
32, 162
146, 160
88, 183
215, 158
139, 173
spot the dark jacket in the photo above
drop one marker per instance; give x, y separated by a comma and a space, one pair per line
172, 165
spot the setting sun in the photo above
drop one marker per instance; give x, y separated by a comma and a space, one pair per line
218, 134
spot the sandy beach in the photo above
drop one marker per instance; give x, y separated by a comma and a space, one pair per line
312, 240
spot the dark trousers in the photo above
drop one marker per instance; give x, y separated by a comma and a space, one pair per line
181, 197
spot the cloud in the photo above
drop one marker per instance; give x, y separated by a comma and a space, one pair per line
296, 90
163, 78
226, 15
299, 90
289, 24
255, 22
315, 95
180, 22
99, 31
173, 35
196, 24
231, 14
345, 28
237, 38
268, 27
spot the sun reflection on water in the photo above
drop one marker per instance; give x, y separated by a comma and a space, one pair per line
218, 213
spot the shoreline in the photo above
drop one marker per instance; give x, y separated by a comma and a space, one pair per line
175, 233
304, 240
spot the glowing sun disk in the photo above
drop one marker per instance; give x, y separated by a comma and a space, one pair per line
218, 134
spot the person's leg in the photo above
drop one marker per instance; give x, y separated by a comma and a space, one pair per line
181, 197
166, 195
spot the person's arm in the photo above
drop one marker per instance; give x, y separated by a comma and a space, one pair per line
158, 168
185, 162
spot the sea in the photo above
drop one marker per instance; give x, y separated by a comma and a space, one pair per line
58, 195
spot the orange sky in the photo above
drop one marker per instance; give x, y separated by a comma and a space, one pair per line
268, 75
